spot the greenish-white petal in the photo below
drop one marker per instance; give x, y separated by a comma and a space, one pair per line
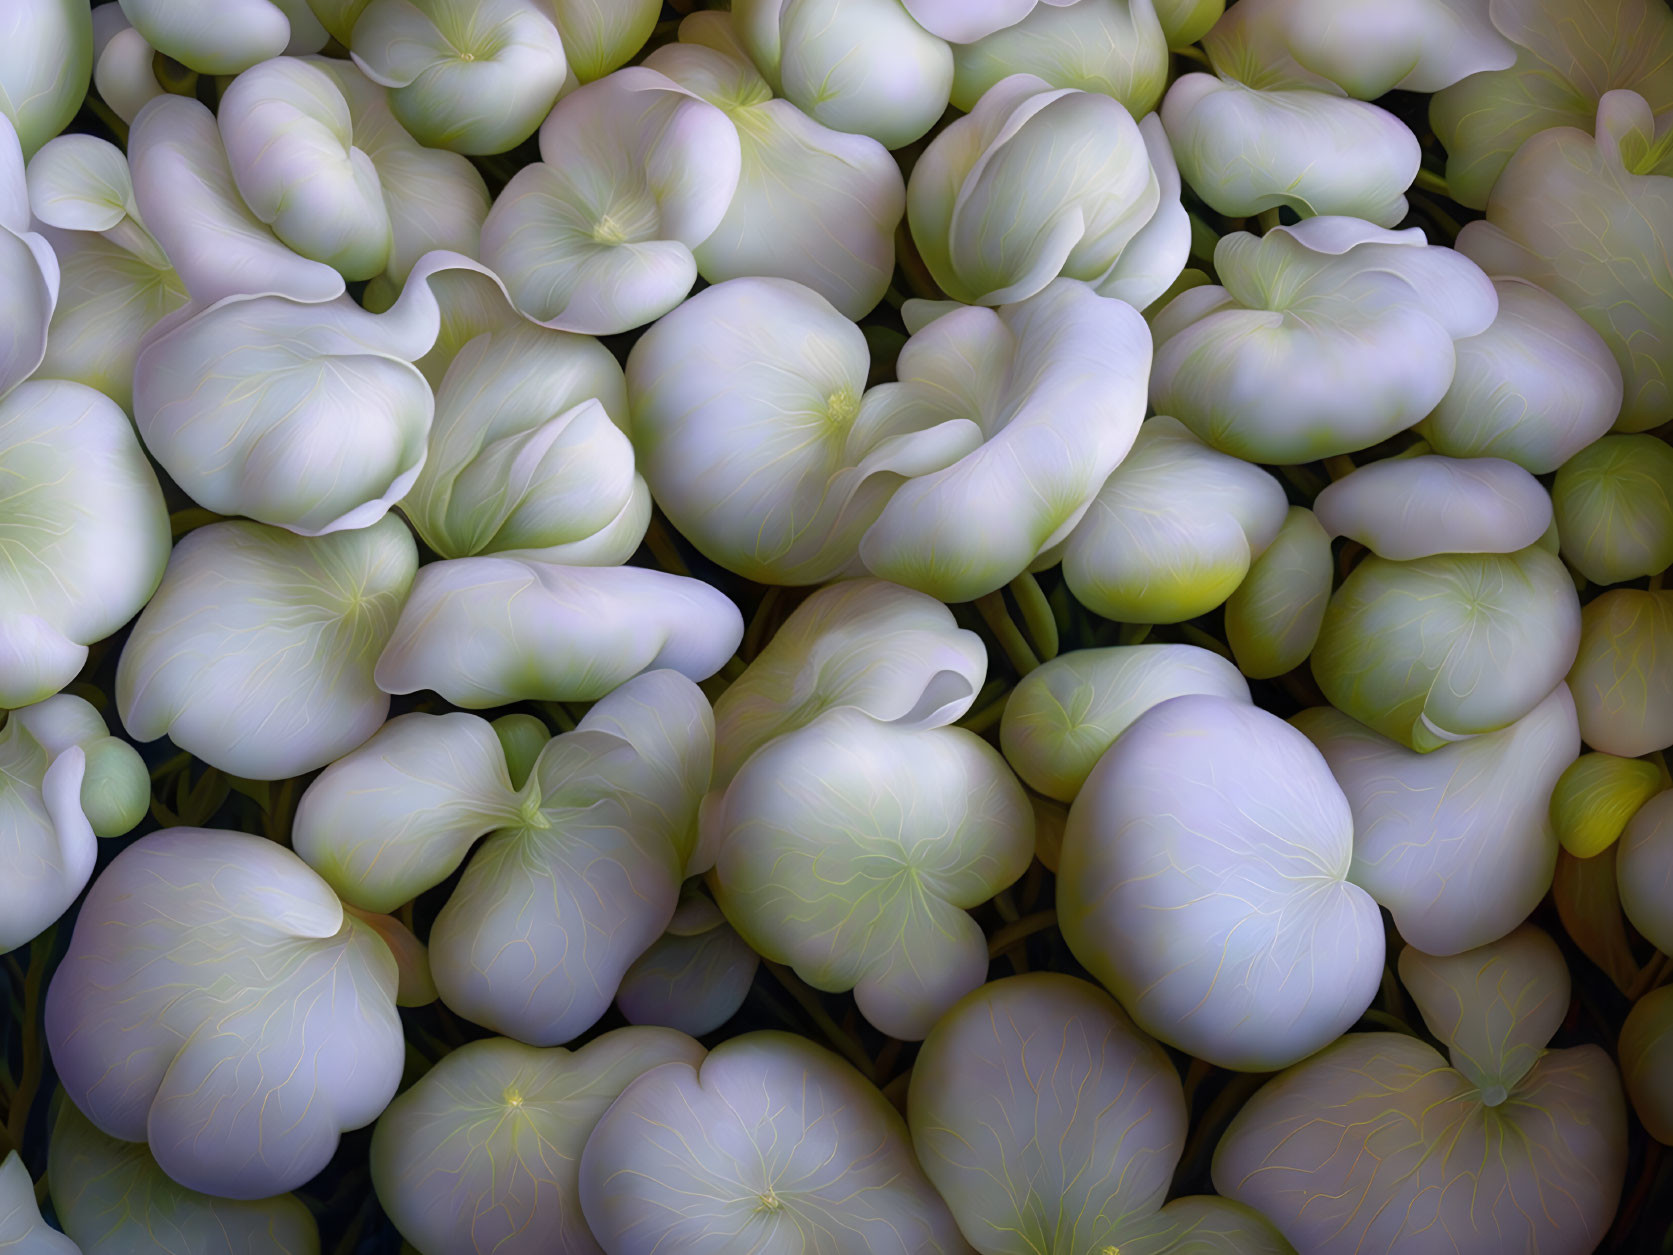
1273, 618
1622, 677
256, 654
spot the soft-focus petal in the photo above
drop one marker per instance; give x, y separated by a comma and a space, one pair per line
1644, 868
1274, 617
46, 62
1111, 46
1622, 677
1416, 507
1646, 1054
1614, 502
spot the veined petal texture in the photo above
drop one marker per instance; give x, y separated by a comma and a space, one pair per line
63, 781
1457, 843
311, 417
114, 1199
895, 655
1454, 645
1585, 213
84, 527
1322, 338
813, 205
1056, 386
482, 1156
46, 62
1045, 1118
597, 236
1063, 715
474, 76
771, 1136
218, 1004
256, 654
28, 270
851, 850
1209, 890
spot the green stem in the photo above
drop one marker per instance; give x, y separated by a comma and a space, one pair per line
1134, 633
662, 547
808, 1001
1036, 615
1649, 976
17, 1118
1192, 53
761, 624
1203, 640
1267, 219
1009, 636
1429, 181
1340, 466
1019, 931
108, 116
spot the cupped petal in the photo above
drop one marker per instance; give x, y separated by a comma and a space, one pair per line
1644, 870
1044, 1117
1450, 646
473, 76
1416, 507
769, 1135
1311, 315
1622, 678
601, 35
113, 1199
693, 978
1071, 369
1584, 213
311, 417
483, 1153
528, 448
851, 849
1566, 60
1246, 151
1535, 388
185, 191
291, 147
749, 428
1063, 715
1173, 530
124, 70
218, 1004
256, 654
1614, 503
1595, 797
812, 205
492, 630
28, 270
85, 530
860, 66
636, 171
891, 653
1034, 182
1457, 843
1209, 891
1115, 47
